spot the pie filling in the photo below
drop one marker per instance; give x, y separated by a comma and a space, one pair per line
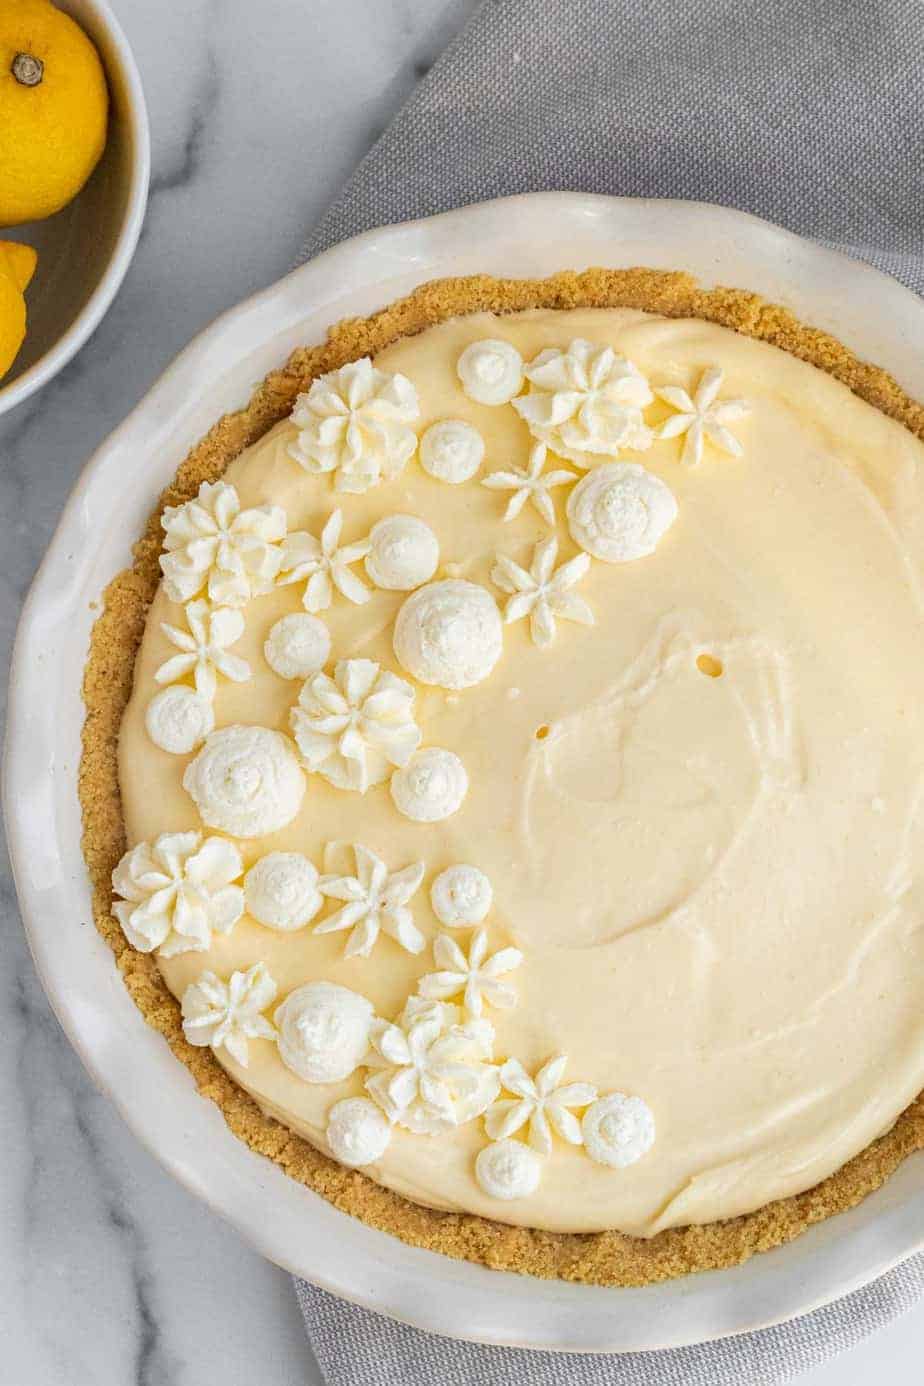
523, 770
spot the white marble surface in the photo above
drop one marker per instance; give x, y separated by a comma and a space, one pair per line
109, 1273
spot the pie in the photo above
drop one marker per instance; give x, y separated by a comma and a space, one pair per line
503, 772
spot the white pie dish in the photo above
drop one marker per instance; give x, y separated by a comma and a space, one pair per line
526, 236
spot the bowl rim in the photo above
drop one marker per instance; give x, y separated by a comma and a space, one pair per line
325, 1246
97, 305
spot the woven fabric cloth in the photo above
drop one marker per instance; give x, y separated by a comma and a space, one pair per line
355, 1347
806, 112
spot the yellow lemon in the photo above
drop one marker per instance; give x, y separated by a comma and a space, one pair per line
17, 265
53, 110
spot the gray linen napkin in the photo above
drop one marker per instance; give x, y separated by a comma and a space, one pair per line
806, 112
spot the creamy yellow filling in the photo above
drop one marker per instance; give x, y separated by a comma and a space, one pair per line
700, 816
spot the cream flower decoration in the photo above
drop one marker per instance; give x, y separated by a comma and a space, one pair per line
586, 403
544, 592
204, 648
324, 565
435, 1073
477, 976
375, 902
541, 1102
704, 416
531, 484
212, 543
355, 422
354, 727
176, 891
228, 1014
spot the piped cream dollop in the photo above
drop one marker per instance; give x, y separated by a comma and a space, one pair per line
491, 371
451, 451
403, 553
431, 786
461, 895
358, 1132
281, 891
620, 512
449, 633
323, 1031
297, 646
618, 1130
508, 1169
246, 781
178, 719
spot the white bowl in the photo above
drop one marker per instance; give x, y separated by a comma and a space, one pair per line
86, 248
532, 235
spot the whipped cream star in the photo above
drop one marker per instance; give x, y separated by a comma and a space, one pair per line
704, 416
434, 1073
355, 422
353, 728
323, 566
176, 891
542, 1102
530, 483
212, 543
477, 976
375, 902
544, 592
228, 1014
204, 648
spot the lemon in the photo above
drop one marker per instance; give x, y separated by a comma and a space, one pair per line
17, 264
53, 110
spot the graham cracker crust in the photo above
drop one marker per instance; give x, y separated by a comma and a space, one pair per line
605, 1258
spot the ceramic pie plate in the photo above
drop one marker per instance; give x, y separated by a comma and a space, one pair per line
527, 236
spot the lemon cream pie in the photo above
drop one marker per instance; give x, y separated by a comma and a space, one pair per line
522, 774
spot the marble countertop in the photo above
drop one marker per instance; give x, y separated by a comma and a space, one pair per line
110, 1273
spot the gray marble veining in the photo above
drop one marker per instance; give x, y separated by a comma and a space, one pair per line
111, 1274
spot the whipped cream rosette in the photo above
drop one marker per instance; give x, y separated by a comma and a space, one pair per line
229, 1014
586, 403
212, 544
176, 890
356, 727
433, 1070
356, 424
